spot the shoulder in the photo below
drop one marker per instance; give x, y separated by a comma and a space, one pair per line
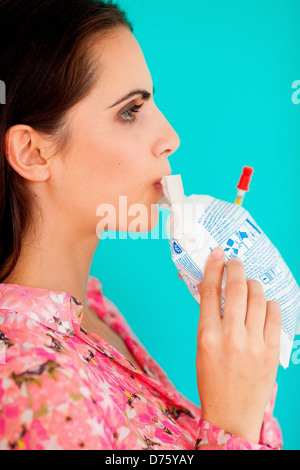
34, 357
45, 393
30, 350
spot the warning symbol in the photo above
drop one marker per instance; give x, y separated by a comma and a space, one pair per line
233, 246
242, 239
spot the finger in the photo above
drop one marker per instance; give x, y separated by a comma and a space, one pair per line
235, 292
199, 287
272, 327
256, 309
210, 303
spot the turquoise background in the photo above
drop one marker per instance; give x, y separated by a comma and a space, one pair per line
223, 74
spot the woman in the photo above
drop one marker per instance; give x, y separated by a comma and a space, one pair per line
79, 129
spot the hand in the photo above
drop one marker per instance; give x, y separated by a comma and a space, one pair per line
237, 354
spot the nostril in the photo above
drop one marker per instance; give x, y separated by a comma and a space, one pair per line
167, 152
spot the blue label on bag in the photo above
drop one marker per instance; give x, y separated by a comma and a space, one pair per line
177, 249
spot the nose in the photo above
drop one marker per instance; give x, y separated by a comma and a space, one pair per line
167, 141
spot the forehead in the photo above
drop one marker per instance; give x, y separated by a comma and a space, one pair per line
122, 63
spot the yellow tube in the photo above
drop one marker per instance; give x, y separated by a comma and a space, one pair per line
239, 200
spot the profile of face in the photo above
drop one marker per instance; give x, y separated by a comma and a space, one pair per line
114, 149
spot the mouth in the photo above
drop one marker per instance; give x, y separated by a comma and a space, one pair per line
159, 188
158, 185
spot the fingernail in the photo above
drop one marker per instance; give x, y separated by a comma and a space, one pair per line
235, 259
217, 252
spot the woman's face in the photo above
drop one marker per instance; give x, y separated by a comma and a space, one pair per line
115, 151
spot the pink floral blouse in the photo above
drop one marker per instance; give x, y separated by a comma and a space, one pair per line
62, 387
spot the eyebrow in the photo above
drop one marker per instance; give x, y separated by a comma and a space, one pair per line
146, 96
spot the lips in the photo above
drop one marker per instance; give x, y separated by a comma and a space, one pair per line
159, 188
160, 180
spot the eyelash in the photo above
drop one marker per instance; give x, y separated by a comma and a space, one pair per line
134, 109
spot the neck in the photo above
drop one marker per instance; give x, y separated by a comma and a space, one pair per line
61, 263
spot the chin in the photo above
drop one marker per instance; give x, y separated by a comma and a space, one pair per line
138, 218
144, 221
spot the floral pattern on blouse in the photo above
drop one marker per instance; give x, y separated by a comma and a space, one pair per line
63, 388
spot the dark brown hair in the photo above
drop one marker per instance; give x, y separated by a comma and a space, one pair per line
47, 67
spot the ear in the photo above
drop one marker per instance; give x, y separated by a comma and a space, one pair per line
22, 148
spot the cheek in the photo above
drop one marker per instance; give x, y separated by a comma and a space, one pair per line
106, 168
102, 168
112, 159
121, 173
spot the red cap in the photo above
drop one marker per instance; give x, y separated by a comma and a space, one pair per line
245, 178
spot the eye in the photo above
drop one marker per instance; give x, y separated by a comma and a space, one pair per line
130, 114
